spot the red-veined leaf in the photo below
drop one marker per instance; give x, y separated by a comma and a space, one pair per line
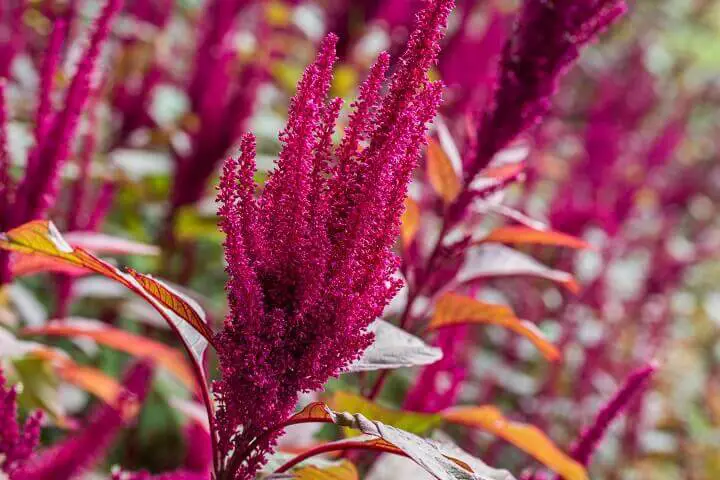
526, 437
183, 315
453, 309
428, 454
178, 302
312, 412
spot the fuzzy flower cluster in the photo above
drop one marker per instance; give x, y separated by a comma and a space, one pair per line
547, 40
222, 96
55, 129
16, 443
310, 261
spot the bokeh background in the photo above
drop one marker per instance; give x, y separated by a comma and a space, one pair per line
626, 161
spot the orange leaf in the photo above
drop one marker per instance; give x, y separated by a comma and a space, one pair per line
42, 237
410, 221
453, 309
124, 341
525, 235
174, 301
526, 437
441, 173
343, 471
313, 412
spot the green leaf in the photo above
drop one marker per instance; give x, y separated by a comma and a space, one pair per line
418, 423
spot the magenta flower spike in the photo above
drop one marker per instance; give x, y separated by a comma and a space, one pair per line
11, 38
55, 132
221, 99
587, 444
438, 385
546, 42
16, 443
39, 186
7, 187
310, 261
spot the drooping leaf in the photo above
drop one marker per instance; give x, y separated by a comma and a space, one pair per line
443, 176
394, 348
410, 221
418, 423
184, 315
179, 303
429, 455
121, 340
489, 261
519, 235
453, 309
526, 437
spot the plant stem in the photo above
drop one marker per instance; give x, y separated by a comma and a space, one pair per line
336, 447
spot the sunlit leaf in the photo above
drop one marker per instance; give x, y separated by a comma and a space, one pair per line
182, 313
394, 348
177, 302
453, 309
418, 423
410, 221
526, 437
492, 261
520, 235
441, 173
121, 340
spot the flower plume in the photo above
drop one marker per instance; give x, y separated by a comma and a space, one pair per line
310, 261
547, 40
